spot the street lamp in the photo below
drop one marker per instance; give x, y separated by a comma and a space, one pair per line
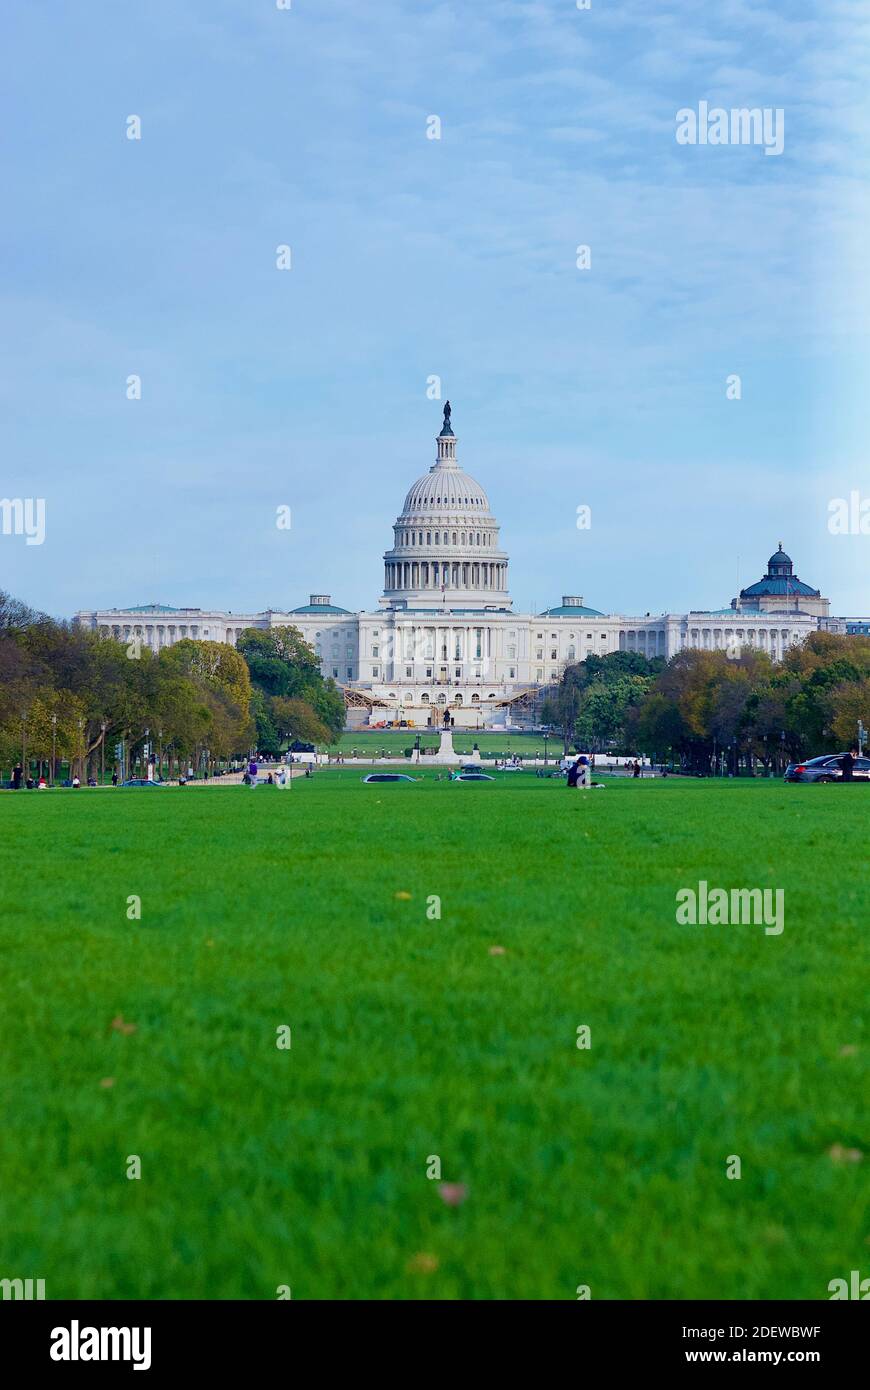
53, 745
24, 745
81, 724
546, 736
103, 728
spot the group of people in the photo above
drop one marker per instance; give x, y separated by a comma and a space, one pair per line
19, 781
277, 779
579, 772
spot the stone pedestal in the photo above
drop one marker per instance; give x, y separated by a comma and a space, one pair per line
445, 752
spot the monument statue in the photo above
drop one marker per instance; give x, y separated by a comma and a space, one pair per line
447, 425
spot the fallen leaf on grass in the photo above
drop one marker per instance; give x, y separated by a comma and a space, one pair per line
453, 1194
121, 1027
840, 1155
107, 1081
422, 1263
405, 897
848, 1050
497, 951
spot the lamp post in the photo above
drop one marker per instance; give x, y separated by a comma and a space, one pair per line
782, 750
546, 736
103, 727
734, 756
145, 755
81, 724
160, 755
24, 745
53, 745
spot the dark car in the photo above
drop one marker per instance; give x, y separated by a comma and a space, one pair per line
389, 777
140, 782
826, 769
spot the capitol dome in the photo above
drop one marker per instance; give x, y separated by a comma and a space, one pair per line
446, 541
446, 488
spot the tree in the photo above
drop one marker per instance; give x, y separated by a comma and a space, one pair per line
284, 671
850, 701
295, 719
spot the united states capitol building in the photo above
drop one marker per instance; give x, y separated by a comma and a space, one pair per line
445, 636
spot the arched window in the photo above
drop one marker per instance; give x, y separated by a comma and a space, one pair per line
442, 699
475, 699
424, 699
457, 700
454, 537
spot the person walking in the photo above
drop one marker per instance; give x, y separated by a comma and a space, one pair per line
847, 763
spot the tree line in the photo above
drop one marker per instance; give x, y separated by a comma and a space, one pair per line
713, 711
68, 696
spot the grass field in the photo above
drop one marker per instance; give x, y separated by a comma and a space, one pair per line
307, 1167
397, 740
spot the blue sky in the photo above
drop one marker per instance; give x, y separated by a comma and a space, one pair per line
415, 257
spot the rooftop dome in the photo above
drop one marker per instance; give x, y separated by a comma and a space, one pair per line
780, 580
319, 603
571, 606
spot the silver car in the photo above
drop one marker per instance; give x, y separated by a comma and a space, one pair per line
826, 769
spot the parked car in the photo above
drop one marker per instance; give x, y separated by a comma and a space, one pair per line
826, 768
140, 782
388, 777
473, 777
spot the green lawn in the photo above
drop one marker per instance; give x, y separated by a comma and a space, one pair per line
410, 1038
397, 740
